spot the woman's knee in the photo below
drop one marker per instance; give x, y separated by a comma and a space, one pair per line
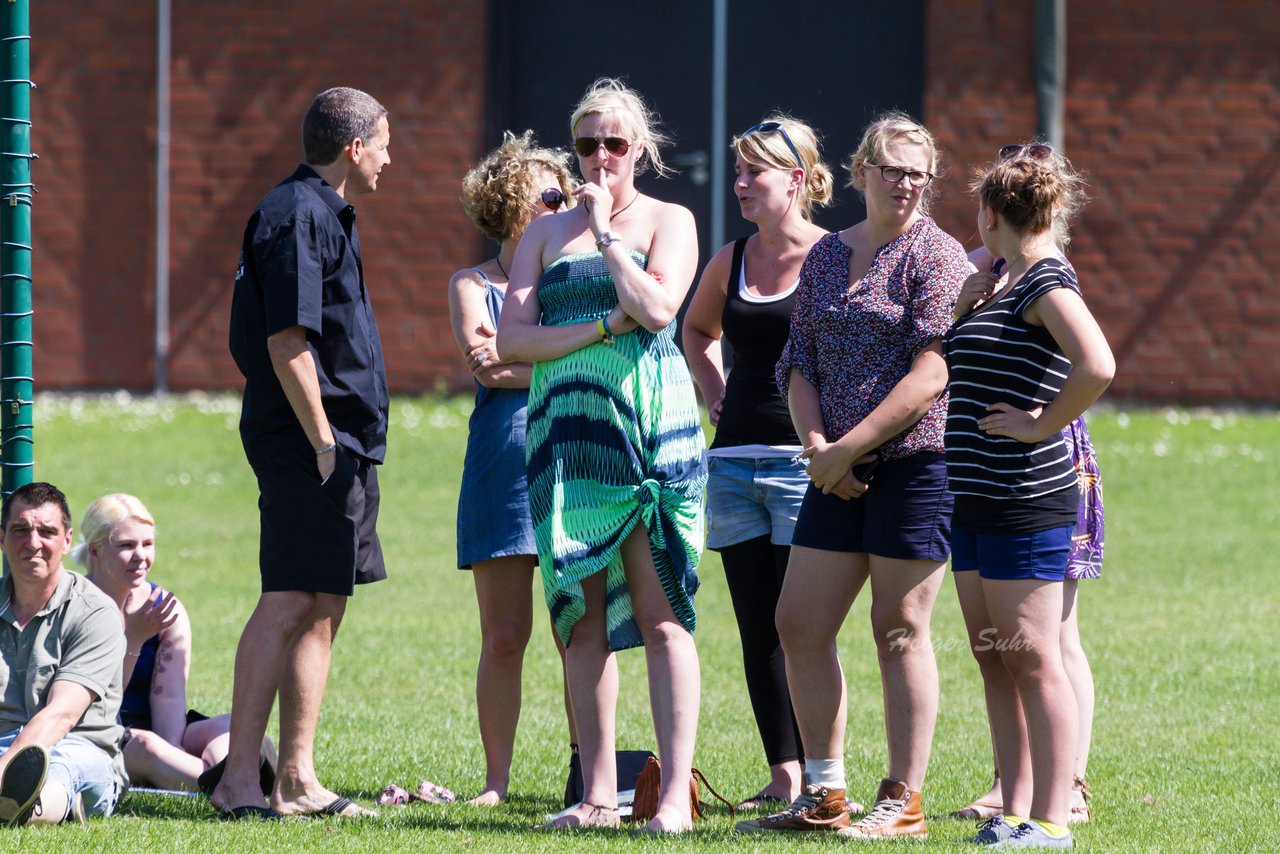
506, 639
990, 662
798, 633
899, 631
144, 742
1025, 663
662, 634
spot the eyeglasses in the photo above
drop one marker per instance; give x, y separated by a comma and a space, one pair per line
552, 198
775, 127
589, 145
1036, 151
895, 174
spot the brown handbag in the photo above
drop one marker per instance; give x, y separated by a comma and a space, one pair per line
645, 805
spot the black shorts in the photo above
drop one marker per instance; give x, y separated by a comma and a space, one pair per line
316, 537
905, 514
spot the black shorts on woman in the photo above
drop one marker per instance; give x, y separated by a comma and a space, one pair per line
905, 514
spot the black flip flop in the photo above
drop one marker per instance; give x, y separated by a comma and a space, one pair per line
21, 783
761, 801
335, 808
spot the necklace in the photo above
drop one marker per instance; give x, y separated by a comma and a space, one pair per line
497, 259
624, 207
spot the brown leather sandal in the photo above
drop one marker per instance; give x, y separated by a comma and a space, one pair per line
980, 810
1081, 813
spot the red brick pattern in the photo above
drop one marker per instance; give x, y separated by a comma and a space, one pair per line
243, 74
1173, 111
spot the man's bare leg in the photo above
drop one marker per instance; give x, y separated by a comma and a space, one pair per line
306, 671
265, 644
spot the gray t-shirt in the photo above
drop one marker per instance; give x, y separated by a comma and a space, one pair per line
78, 636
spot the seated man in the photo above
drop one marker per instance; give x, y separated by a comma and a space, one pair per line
61, 648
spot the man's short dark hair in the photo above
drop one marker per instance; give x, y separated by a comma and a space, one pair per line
36, 494
336, 117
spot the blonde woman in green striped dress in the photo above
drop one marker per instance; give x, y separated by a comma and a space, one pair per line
615, 446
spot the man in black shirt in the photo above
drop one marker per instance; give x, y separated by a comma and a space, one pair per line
313, 426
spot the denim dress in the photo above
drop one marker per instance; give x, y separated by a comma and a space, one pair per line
494, 519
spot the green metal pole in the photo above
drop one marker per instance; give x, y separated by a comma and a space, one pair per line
1051, 70
17, 458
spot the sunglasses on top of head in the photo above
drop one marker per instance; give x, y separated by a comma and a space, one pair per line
589, 145
552, 198
1036, 151
775, 127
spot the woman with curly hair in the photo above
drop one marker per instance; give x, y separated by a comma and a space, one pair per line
511, 187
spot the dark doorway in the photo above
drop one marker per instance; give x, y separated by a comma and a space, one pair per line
832, 64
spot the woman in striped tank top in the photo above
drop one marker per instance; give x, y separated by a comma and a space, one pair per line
1024, 363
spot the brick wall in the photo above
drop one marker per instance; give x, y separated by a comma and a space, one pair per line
1174, 114
243, 74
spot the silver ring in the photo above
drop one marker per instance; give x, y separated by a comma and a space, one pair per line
481, 357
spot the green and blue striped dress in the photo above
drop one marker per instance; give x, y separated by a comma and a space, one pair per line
614, 440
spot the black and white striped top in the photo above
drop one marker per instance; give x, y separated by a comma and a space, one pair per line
994, 355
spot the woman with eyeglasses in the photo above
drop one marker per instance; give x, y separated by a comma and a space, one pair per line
865, 379
1026, 360
755, 481
616, 454
511, 187
1087, 544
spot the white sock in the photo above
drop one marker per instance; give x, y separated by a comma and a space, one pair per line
825, 772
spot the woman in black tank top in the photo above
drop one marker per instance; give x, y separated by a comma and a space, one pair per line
744, 299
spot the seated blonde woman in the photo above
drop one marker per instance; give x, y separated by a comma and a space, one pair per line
166, 746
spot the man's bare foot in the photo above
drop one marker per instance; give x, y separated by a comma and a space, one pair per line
583, 815
488, 798
227, 795
322, 802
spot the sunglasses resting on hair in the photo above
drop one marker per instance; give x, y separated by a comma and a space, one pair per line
1036, 151
775, 127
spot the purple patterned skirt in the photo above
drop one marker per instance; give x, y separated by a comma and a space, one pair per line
1086, 543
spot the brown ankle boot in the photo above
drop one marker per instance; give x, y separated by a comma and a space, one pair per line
896, 812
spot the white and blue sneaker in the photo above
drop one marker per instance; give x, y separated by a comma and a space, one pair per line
991, 831
1031, 835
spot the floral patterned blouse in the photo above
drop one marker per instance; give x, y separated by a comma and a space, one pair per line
855, 345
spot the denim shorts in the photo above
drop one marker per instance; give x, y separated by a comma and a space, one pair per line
79, 765
1041, 555
905, 514
752, 497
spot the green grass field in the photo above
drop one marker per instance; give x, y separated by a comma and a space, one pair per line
1181, 630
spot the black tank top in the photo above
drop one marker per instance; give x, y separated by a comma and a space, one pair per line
754, 413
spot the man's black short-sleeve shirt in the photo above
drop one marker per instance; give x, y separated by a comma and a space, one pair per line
300, 266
